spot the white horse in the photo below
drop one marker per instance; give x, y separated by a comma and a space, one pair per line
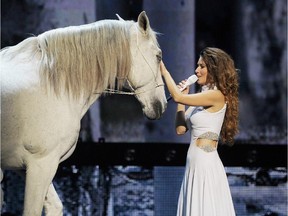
48, 83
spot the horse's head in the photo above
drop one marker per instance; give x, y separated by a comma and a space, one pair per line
145, 76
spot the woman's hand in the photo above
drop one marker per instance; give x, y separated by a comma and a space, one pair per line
181, 85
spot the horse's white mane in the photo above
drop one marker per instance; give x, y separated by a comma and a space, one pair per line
82, 59
85, 58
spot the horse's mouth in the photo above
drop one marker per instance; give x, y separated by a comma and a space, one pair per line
155, 112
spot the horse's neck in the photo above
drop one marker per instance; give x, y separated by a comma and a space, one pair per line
88, 102
17, 73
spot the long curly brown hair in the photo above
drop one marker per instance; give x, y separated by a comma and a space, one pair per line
223, 74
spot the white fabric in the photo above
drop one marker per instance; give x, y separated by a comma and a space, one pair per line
205, 189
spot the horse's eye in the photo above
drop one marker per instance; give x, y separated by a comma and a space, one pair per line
159, 57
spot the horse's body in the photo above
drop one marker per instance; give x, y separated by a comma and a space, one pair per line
48, 85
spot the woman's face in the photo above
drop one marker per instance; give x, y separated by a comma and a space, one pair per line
201, 72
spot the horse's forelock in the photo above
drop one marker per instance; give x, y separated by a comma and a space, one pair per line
85, 59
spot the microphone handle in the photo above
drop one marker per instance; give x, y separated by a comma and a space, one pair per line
170, 97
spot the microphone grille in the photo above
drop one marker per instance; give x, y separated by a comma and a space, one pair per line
192, 79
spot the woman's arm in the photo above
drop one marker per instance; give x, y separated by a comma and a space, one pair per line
180, 123
171, 85
207, 99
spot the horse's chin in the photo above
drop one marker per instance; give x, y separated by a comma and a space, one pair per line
155, 112
152, 116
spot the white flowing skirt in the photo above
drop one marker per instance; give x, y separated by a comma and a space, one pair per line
205, 189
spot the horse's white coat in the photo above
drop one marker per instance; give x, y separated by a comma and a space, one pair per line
40, 129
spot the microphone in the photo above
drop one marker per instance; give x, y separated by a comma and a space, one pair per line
191, 80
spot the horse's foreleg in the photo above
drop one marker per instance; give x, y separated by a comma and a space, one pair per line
39, 175
52, 204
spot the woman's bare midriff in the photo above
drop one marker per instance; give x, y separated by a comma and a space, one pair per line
207, 145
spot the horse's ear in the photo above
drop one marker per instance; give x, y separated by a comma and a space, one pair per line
143, 22
119, 17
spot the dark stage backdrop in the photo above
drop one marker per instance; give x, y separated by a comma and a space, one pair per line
253, 32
